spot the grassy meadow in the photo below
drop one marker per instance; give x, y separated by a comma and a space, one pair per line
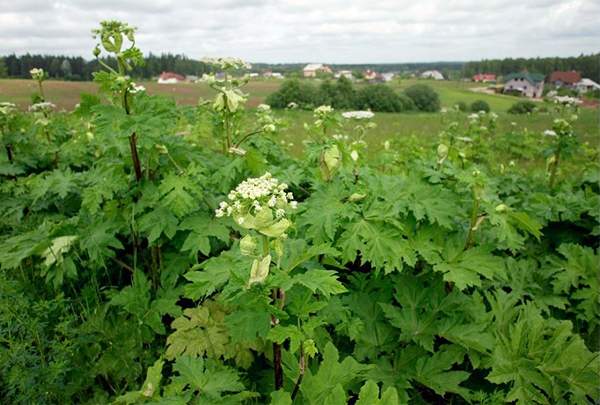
389, 125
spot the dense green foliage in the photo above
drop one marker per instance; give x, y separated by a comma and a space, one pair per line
480, 105
424, 97
452, 272
342, 95
78, 68
522, 107
587, 65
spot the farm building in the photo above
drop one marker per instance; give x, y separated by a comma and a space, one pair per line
312, 69
585, 85
432, 74
484, 77
344, 73
170, 78
528, 84
566, 79
387, 77
370, 74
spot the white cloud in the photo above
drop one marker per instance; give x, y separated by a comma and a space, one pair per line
349, 31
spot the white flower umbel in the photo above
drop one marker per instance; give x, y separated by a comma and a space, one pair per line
550, 132
135, 88
260, 203
358, 115
37, 74
45, 106
228, 63
7, 108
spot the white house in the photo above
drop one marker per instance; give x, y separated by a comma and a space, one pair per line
585, 85
277, 75
528, 84
312, 69
432, 74
170, 78
344, 73
387, 77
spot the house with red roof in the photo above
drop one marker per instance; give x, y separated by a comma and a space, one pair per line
484, 77
567, 79
170, 78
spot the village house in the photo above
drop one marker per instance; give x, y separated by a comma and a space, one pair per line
387, 77
564, 79
484, 77
585, 85
312, 69
432, 74
170, 78
370, 74
277, 75
528, 84
344, 73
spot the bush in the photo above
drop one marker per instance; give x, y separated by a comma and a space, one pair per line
303, 93
462, 106
424, 97
522, 107
480, 105
379, 97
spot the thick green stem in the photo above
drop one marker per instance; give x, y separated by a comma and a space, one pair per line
555, 164
137, 167
473, 222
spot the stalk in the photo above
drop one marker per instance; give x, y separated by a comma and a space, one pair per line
137, 167
302, 368
555, 164
278, 299
9, 153
473, 222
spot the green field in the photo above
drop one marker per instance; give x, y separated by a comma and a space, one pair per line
389, 125
66, 94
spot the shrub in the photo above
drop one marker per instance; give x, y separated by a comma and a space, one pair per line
462, 106
424, 97
379, 97
480, 105
344, 96
522, 107
303, 93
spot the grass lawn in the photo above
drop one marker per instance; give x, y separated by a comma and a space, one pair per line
451, 92
429, 125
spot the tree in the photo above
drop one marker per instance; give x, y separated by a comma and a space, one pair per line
424, 97
3, 69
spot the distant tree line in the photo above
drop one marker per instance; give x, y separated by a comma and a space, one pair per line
77, 68
587, 65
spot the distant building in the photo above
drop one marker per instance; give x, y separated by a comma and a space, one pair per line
253, 74
344, 73
585, 85
387, 77
277, 75
267, 73
191, 78
370, 74
528, 84
312, 69
566, 79
484, 77
170, 78
432, 74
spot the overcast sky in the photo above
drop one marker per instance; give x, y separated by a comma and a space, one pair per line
335, 31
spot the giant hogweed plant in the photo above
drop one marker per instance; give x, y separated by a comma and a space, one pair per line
228, 109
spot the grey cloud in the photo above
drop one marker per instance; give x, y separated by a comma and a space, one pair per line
313, 30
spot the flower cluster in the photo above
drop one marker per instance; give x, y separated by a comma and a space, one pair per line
323, 111
566, 100
37, 74
259, 203
228, 63
43, 107
135, 88
550, 132
292, 106
358, 115
7, 108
